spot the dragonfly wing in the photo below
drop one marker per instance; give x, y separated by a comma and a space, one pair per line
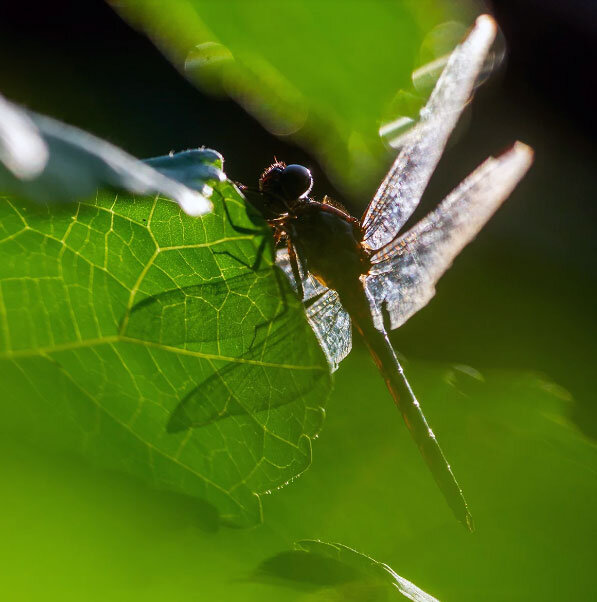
311, 286
189, 317
213, 400
331, 324
247, 338
240, 390
403, 276
403, 186
328, 319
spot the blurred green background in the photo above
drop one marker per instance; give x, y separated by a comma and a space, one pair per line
517, 308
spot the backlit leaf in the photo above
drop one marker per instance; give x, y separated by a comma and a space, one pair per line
119, 315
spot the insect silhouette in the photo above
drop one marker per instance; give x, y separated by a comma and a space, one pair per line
349, 271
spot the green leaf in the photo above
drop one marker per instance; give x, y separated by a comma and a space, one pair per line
117, 313
340, 570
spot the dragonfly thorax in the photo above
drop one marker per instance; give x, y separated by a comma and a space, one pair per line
329, 242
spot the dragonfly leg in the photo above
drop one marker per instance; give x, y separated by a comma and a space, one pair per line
296, 273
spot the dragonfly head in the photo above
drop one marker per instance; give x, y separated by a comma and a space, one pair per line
289, 183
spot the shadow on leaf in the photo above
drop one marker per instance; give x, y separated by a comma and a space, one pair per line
240, 389
339, 571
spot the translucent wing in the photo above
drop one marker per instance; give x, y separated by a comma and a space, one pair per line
257, 391
311, 286
439, 44
331, 324
258, 331
402, 188
189, 317
328, 319
404, 274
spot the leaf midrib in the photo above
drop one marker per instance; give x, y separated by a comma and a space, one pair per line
113, 339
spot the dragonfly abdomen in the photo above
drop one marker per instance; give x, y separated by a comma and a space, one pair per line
357, 304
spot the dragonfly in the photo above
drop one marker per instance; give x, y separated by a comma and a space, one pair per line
350, 273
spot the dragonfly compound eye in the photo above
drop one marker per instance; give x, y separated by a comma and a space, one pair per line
296, 181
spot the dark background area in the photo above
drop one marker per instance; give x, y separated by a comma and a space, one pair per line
522, 300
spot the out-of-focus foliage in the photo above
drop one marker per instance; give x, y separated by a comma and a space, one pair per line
326, 72
529, 475
138, 336
44, 160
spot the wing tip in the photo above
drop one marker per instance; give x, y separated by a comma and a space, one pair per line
522, 149
520, 152
487, 24
486, 21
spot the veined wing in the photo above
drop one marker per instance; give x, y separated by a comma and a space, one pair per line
257, 392
404, 274
253, 362
189, 317
396, 131
402, 188
261, 393
311, 286
213, 400
331, 325
328, 319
